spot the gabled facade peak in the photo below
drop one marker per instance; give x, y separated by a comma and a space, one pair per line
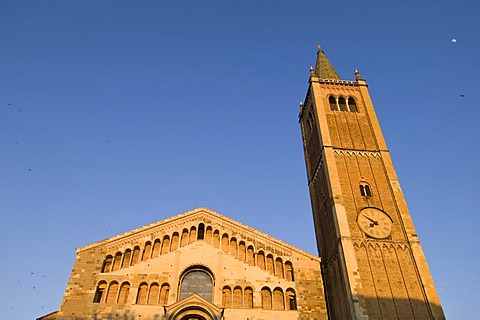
211, 220
323, 67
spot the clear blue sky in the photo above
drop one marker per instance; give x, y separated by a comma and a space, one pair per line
115, 114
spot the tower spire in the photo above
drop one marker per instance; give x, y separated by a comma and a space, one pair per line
323, 67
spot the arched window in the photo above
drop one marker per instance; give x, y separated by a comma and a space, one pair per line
107, 264
197, 281
352, 106
248, 298
278, 301
117, 262
164, 291
342, 104
365, 189
193, 235
226, 297
237, 298
216, 239
184, 240
225, 243
241, 251
112, 292
156, 248
250, 256
289, 271
333, 103
123, 295
100, 292
146, 251
174, 244
201, 232
261, 260
136, 255
233, 247
291, 300
165, 245
126, 258
153, 293
279, 268
209, 235
142, 293
270, 264
266, 299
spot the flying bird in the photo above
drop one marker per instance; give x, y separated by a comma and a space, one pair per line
454, 40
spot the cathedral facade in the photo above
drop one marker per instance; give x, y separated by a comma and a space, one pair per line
196, 265
201, 265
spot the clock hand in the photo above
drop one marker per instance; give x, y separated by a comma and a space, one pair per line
374, 222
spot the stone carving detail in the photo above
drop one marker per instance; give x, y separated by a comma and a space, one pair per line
374, 154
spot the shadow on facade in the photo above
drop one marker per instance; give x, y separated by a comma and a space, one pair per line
388, 308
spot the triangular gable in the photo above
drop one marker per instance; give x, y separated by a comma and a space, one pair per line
206, 216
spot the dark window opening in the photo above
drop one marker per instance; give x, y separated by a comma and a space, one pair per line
342, 104
333, 103
201, 231
99, 292
365, 190
292, 303
351, 105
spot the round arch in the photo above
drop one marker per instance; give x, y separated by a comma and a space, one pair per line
195, 311
196, 279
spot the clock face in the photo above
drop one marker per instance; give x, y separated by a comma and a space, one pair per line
375, 223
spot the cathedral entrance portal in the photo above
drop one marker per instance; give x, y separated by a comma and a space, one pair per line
193, 317
193, 313
193, 307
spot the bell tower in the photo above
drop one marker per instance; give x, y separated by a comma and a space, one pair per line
373, 266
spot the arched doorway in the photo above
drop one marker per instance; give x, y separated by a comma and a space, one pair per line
193, 313
193, 317
193, 307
